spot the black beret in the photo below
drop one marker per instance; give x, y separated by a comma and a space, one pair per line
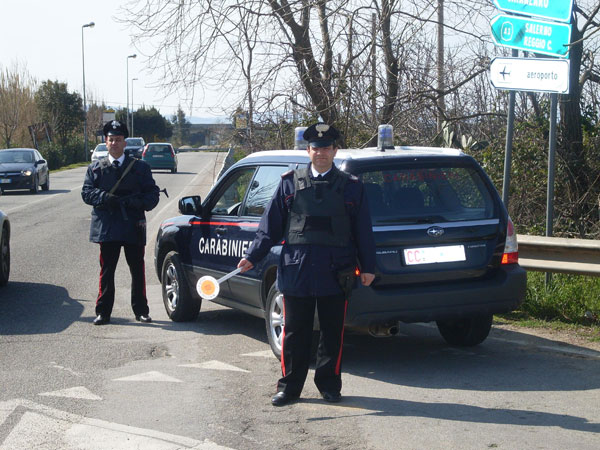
321, 135
116, 128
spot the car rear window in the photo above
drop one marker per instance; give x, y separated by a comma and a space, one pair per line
134, 141
428, 193
159, 149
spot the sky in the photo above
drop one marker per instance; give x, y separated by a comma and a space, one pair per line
44, 37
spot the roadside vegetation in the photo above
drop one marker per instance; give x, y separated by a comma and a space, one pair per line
569, 303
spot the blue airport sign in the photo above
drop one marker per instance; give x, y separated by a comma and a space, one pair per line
559, 10
537, 36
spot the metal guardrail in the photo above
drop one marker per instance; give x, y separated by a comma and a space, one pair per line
552, 254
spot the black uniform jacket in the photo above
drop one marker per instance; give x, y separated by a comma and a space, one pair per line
126, 223
307, 270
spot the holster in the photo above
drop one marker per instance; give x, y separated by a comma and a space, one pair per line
346, 278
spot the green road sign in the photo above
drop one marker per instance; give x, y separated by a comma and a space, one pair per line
550, 9
548, 38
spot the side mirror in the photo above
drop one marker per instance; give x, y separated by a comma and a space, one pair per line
190, 205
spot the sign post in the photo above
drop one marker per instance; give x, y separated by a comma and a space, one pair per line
537, 36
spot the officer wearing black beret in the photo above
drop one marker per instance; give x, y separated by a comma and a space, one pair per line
323, 217
120, 189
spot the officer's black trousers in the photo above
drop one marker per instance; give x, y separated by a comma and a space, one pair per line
109, 257
299, 315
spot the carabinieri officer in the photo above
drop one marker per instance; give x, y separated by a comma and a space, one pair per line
120, 189
322, 215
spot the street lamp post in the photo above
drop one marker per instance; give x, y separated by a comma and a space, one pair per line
127, 106
85, 136
132, 106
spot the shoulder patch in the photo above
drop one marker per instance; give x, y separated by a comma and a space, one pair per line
285, 174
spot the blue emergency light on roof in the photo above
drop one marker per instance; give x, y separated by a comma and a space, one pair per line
299, 142
385, 137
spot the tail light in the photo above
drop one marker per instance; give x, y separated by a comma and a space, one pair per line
172, 152
144, 151
511, 247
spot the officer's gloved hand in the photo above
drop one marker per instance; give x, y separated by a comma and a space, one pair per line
134, 202
111, 200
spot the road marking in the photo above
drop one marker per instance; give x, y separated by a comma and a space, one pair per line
32, 425
215, 365
42, 198
150, 376
71, 371
261, 354
80, 392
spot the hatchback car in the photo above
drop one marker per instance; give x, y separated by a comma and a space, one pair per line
99, 152
446, 250
4, 249
134, 146
160, 155
23, 168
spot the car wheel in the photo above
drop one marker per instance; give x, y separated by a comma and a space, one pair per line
181, 306
274, 320
46, 185
35, 186
466, 332
4, 257
174, 169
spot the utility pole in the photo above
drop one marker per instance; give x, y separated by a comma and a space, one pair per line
374, 68
441, 108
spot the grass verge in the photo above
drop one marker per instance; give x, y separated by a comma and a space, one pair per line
569, 304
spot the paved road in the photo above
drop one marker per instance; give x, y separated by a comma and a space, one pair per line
65, 384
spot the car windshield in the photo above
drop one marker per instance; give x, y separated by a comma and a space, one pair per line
101, 148
427, 194
16, 157
134, 142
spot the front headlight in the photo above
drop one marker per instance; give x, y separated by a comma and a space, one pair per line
26, 173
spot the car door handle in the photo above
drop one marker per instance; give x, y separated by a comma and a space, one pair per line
221, 230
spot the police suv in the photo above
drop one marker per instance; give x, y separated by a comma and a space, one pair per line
446, 250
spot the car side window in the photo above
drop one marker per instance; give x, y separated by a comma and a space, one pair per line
231, 198
262, 189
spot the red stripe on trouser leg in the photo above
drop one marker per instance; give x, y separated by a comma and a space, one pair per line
144, 267
283, 338
339, 358
100, 277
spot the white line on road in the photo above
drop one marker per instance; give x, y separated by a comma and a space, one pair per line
33, 425
214, 365
150, 376
80, 392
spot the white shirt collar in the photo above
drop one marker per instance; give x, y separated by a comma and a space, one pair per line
121, 159
315, 174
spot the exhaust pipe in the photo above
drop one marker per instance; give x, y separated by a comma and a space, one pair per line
383, 330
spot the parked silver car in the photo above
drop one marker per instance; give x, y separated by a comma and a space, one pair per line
99, 152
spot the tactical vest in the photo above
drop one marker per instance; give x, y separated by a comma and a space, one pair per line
319, 221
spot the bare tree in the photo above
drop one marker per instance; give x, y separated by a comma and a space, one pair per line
17, 107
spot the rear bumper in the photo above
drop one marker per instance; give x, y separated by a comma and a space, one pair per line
161, 164
503, 292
